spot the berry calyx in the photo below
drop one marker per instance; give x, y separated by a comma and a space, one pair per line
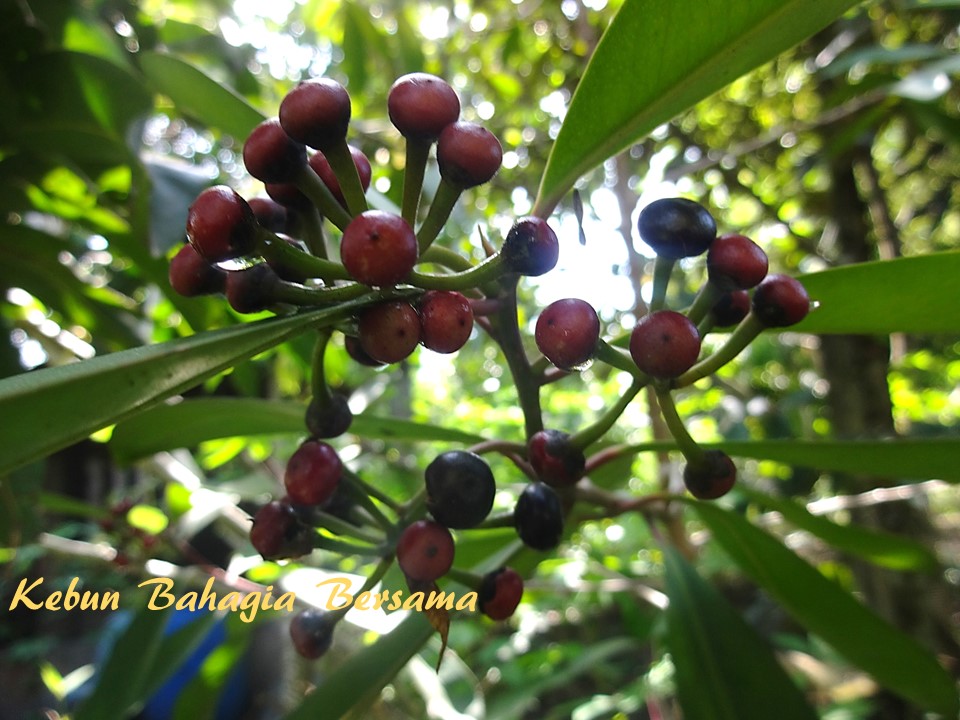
676, 227
664, 344
313, 473
425, 551
731, 308
277, 532
252, 289
711, 476
468, 154
328, 417
460, 489
736, 262
531, 247
780, 301
191, 274
555, 459
321, 166
379, 248
316, 113
567, 332
390, 331
538, 517
221, 225
446, 320
500, 593
271, 155
421, 105
311, 631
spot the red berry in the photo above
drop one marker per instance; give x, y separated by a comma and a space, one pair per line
288, 195
252, 289
731, 308
421, 105
278, 533
311, 631
221, 225
567, 333
665, 344
425, 551
531, 247
676, 227
555, 459
313, 473
316, 113
538, 517
446, 320
780, 300
500, 593
192, 274
270, 214
711, 478
321, 166
272, 156
736, 261
460, 489
468, 154
390, 331
378, 248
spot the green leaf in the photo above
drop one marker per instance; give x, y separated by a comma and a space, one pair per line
724, 670
914, 295
659, 58
55, 407
880, 548
199, 96
191, 422
894, 659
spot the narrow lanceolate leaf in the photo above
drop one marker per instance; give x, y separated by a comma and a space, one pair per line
879, 548
199, 96
912, 295
659, 58
725, 671
191, 422
894, 659
46, 410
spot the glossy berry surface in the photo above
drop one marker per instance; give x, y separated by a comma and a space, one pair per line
390, 331
664, 344
425, 551
313, 473
538, 517
191, 274
676, 227
311, 631
421, 105
567, 332
731, 308
277, 532
736, 262
446, 320
711, 478
531, 247
780, 301
378, 248
468, 154
252, 289
460, 489
272, 156
555, 459
358, 354
500, 593
316, 113
321, 166
328, 419
220, 224
288, 195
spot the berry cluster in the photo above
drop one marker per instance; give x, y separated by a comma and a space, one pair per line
277, 253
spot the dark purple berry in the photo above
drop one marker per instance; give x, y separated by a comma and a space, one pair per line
192, 274
736, 262
321, 166
531, 247
288, 195
468, 154
272, 156
277, 532
316, 113
270, 214
460, 489
378, 248
567, 333
252, 289
221, 225
731, 308
676, 227
355, 350
421, 105
538, 517
330, 418
311, 631
500, 593
712, 477
665, 344
313, 473
780, 301
425, 551
555, 459
390, 331
446, 320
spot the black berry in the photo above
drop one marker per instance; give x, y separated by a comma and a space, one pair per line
555, 459
468, 154
330, 418
378, 248
780, 300
192, 274
316, 113
676, 227
272, 156
313, 473
731, 308
252, 289
567, 333
712, 477
665, 344
446, 320
736, 262
277, 532
221, 225
421, 105
531, 247
425, 551
538, 517
500, 593
460, 489
311, 631
390, 331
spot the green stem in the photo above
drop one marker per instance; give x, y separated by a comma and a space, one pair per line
468, 579
496, 521
447, 258
484, 271
343, 166
508, 335
376, 576
662, 268
345, 548
443, 201
295, 294
279, 250
613, 357
745, 333
342, 527
413, 170
686, 444
706, 298
590, 434
318, 380
310, 184
359, 493
369, 490
312, 226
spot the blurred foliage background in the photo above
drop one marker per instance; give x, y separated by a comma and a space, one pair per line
843, 150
